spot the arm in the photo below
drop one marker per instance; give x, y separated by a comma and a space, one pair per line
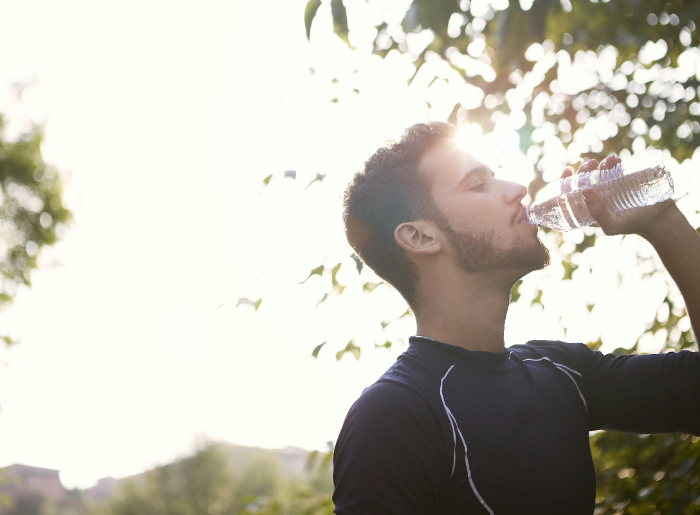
678, 246
669, 232
649, 394
656, 393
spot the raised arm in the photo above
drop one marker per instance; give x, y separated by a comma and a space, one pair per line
667, 229
678, 246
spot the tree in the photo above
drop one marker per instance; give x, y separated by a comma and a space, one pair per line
572, 78
32, 211
207, 482
194, 485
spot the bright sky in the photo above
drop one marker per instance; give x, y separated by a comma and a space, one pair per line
166, 119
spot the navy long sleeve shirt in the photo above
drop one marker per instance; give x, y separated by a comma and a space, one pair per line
451, 431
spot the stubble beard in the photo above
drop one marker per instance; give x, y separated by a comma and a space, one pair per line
479, 252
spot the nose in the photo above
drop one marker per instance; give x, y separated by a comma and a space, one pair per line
513, 192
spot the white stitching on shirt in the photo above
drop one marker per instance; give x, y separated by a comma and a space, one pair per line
453, 420
449, 417
564, 369
553, 363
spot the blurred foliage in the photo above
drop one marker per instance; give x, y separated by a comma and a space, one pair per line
641, 85
217, 479
489, 45
645, 474
32, 214
640, 88
206, 483
34, 503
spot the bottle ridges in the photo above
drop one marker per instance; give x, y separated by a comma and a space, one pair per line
621, 191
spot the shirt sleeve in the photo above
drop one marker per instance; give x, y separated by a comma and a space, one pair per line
654, 393
390, 456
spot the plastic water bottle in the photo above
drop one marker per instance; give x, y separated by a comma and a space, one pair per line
639, 180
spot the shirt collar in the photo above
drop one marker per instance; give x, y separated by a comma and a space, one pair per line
497, 362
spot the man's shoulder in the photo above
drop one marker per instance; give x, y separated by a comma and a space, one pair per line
564, 353
412, 376
386, 411
387, 396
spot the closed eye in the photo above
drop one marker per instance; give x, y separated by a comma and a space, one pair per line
483, 173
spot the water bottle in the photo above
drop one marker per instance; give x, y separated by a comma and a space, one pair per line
639, 180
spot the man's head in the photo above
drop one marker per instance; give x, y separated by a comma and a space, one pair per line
423, 195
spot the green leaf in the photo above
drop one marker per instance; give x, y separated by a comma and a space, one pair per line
247, 302
316, 271
309, 15
596, 344
569, 269
323, 299
319, 178
514, 291
340, 20
8, 340
537, 299
267, 179
333, 273
317, 350
351, 348
369, 286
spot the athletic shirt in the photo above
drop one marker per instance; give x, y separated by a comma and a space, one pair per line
451, 431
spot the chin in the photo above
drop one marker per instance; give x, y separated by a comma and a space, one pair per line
538, 257
481, 253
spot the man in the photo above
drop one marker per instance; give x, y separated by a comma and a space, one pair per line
460, 424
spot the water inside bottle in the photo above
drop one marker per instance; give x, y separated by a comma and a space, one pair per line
643, 188
568, 211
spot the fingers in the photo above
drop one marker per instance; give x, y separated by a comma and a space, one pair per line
568, 172
610, 162
597, 208
592, 164
588, 166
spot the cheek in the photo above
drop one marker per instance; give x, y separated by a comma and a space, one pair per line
468, 214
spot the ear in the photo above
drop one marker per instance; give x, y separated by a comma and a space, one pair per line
418, 237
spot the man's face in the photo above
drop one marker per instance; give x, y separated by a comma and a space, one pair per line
482, 216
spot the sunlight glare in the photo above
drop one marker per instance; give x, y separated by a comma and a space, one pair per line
469, 137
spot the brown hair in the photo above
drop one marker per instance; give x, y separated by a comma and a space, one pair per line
388, 191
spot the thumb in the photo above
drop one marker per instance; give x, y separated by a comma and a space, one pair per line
597, 207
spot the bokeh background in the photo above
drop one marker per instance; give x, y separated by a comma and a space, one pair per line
178, 296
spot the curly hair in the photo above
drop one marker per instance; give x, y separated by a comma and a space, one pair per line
388, 191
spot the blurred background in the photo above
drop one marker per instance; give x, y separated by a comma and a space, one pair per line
184, 325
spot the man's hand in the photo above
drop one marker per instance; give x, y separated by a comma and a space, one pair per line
664, 226
643, 221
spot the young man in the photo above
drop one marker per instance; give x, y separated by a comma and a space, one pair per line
460, 424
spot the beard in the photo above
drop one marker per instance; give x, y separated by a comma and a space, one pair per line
479, 252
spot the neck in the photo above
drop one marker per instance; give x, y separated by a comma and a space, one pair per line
465, 310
